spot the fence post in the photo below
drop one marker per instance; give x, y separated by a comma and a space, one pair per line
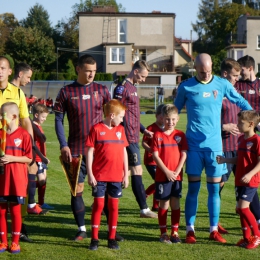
155, 98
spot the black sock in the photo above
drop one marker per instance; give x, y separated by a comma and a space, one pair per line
255, 206
78, 209
32, 188
139, 191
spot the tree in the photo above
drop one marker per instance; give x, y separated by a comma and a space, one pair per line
252, 4
32, 46
38, 18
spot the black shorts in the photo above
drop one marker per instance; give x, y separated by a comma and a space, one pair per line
41, 167
151, 169
113, 189
133, 152
166, 190
245, 193
83, 170
15, 199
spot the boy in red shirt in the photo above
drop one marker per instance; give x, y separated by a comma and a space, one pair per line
169, 152
149, 162
40, 113
107, 167
247, 176
13, 183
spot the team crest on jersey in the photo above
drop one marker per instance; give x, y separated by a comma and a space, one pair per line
249, 145
160, 139
118, 134
177, 138
17, 142
251, 91
102, 133
84, 97
95, 94
119, 90
206, 94
215, 93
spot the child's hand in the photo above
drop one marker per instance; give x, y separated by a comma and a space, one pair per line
170, 175
220, 159
6, 159
125, 182
246, 178
92, 180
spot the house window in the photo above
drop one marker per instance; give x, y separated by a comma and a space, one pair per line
239, 54
258, 42
121, 31
117, 55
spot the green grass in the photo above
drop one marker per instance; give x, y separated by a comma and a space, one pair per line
52, 233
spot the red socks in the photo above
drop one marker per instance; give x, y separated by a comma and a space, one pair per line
175, 220
162, 219
41, 193
112, 217
16, 217
3, 223
97, 208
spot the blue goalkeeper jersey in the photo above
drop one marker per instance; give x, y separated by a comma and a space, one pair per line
203, 104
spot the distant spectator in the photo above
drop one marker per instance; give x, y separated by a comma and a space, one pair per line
31, 101
41, 101
161, 93
49, 104
174, 94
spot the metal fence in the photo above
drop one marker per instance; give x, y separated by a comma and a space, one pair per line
45, 89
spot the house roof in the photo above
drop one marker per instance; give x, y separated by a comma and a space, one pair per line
178, 42
152, 14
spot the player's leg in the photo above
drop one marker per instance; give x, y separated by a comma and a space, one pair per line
77, 203
151, 189
255, 208
214, 171
98, 192
134, 160
163, 193
193, 171
3, 225
114, 190
175, 211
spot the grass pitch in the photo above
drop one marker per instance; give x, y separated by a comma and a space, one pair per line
52, 233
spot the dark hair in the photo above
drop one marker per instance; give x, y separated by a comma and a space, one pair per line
39, 108
4, 58
247, 61
21, 67
86, 59
159, 109
229, 64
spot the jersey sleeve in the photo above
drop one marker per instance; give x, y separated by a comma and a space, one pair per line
154, 144
124, 137
23, 108
59, 105
107, 96
184, 143
27, 145
91, 139
119, 92
180, 98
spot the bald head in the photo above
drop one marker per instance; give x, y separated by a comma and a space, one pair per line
11, 108
203, 66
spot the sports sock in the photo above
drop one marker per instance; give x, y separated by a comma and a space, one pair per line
250, 219
113, 217
244, 225
97, 208
150, 190
41, 193
3, 222
32, 188
175, 220
162, 219
213, 204
139, 191
78, 209
191, 203
15, 211
255, 206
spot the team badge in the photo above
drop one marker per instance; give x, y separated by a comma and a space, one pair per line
102, 133
215, 93
249, 145
84, 97
118, 134
160, 139
177, 138
206, 94
95, 94
251, 91
17, 142
119, 90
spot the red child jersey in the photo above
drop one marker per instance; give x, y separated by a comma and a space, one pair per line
247, 158
15, 178
148, 157
169, 148
108, 163
40, 145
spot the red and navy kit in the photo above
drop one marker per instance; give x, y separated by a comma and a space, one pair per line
250, 90
15, 178
84, 107
148, 157
169, 149
40, 144
229, 113
109, 144
127, 94
247, 158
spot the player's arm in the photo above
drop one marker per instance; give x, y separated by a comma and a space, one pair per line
89, 161
247, 177
10, 159
181, 162
180, 98
169, 174
146, 132
222, 159
126, 173
145, 145
26, 124
230, 128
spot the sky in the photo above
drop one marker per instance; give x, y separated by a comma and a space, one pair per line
186, 10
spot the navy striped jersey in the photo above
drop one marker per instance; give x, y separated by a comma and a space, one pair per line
84, 107
127, 94
229, 113
250, 90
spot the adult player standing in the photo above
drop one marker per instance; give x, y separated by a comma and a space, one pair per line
82, 101
126, 92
